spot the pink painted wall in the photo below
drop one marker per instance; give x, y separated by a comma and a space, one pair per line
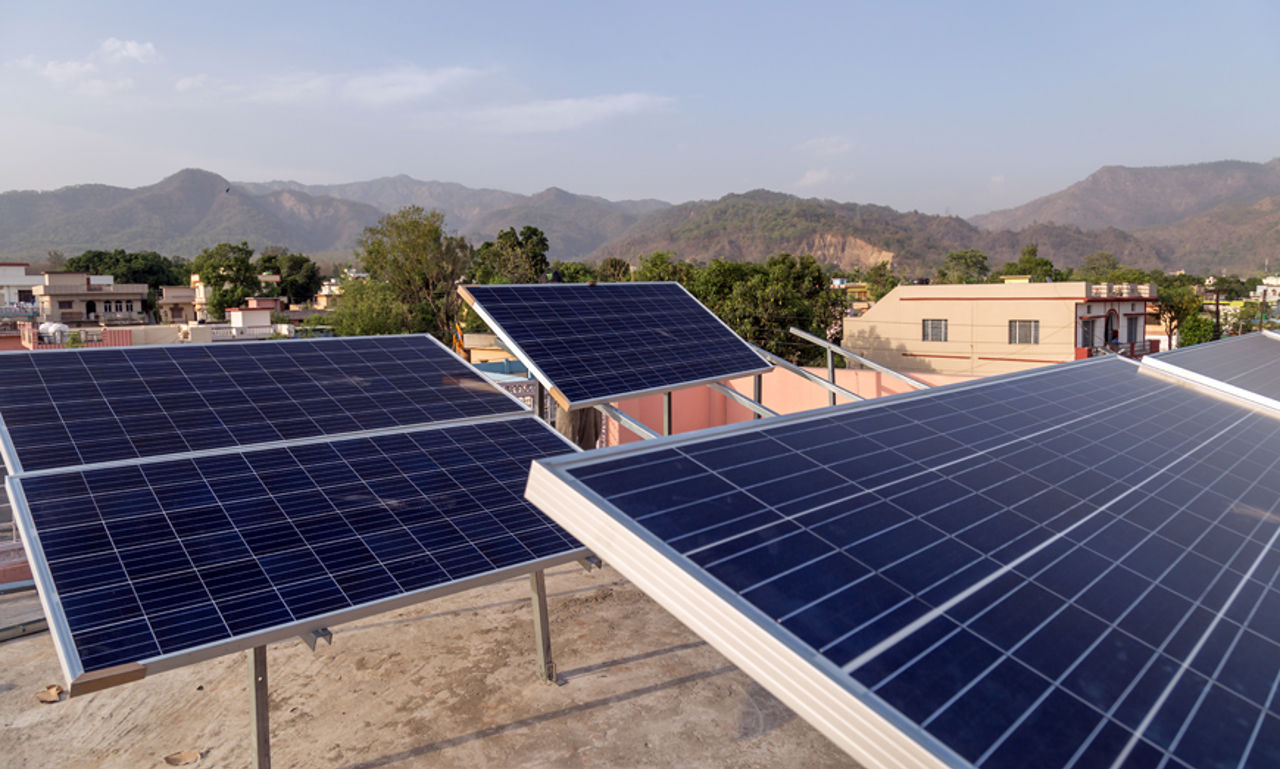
698, 408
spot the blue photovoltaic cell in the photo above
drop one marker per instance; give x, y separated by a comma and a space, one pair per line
66, 408
154, 558
601, 342
1250, 362
1060, 569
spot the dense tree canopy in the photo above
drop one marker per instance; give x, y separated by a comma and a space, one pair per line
230, 275
880, 280
1176, 305
300, 277
410, 252
511, 257
1030, 263
967, 266
614, 270
368, 307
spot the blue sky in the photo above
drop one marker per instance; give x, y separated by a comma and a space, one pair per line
955, 107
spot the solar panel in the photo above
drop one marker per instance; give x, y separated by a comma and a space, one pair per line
597, 343
64, 408
150, 564
1241, 365
1073, 567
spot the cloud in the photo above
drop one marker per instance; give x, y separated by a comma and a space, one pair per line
404, 84
191, 83
114, 50
567, 114
825, 146
401, 85
813, 178
80, 75
60, 72
97, 88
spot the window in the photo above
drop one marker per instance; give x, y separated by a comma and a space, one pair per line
1024, 332
128, 305
1133, 332
64, 305
933, 330
119, 306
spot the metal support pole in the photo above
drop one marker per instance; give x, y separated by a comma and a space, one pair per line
831, 376
541, 628
666, 413
757, 394
539, 400
259, 716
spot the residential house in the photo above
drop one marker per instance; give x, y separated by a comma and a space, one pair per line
177, 304
996, 328
77, 298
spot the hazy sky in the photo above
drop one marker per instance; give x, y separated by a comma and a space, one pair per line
959, 107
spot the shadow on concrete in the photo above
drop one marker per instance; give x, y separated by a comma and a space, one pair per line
761, 713
493, 731
582, 671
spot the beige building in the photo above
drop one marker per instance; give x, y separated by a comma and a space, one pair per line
79, 298
996, 328
177, 304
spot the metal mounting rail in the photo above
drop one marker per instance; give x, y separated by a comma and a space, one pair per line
743, 400
812, 377
627, 421
853, 356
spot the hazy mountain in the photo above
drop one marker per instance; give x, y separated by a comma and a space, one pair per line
575, 225
1207, 218
178, 216
758, 224
1238, 238
1137, 198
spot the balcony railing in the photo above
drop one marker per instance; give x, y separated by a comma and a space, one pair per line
1121, 290
1127, 349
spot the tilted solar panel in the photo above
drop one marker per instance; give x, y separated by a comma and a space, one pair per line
147, 565
1074, 567
596, 343
1240, 365
65, 408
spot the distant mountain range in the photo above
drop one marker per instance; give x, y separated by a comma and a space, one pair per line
1210, 217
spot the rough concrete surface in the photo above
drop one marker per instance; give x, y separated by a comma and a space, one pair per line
449, 683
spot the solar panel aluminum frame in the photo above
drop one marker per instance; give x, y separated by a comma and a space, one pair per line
13, 464
81, 682
819, 691
1202, 382
813, 687
560, 397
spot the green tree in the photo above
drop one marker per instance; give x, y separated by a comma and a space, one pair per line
1097, 268
127, 267
1031, 263
663, 265
761, 302
1175, 306
967, 266
230, 275
880, 280
368, 307
512, 257
572, 272
614, 270
410, 252
1231, 288
300, 278
1195, 329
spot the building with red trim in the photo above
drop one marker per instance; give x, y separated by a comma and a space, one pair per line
996, 328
